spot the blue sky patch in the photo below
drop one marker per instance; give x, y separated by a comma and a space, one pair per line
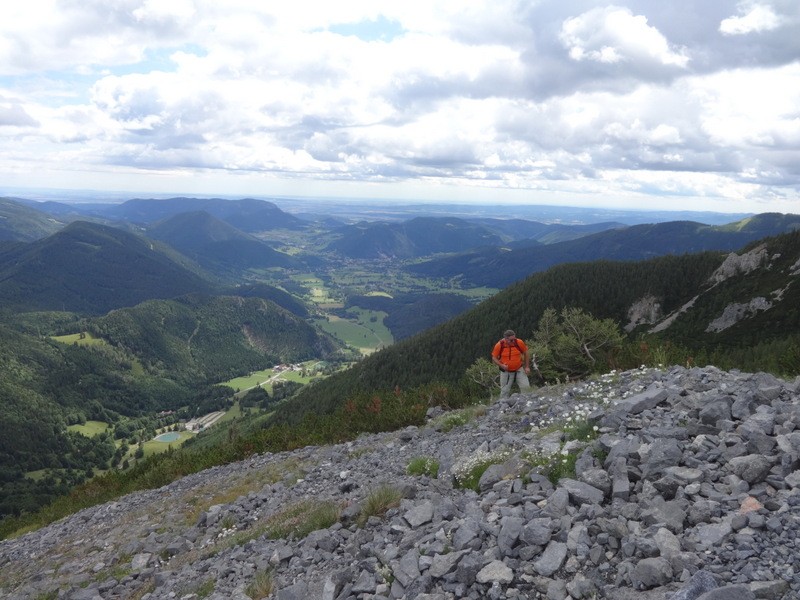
158, 59
381, 29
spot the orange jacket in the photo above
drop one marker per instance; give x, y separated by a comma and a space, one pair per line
509, 354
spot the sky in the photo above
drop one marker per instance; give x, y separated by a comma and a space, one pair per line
644, 104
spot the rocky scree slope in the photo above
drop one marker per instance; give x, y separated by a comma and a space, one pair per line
689, 488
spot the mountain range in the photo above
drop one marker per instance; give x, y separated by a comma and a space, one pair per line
247, 214
417, 237
484, 248
160, 250
499, 267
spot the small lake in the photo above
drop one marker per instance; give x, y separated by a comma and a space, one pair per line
170, 436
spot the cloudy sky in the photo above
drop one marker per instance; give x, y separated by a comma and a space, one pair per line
635, 103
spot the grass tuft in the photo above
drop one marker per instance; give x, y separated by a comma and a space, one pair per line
378, 502
467, 473
262, 585
553, 466
301, 518
423, 465
458, 418
205, 589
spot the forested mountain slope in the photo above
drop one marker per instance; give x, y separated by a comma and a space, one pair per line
545, 233
268, 292
409, 314
606, 290
24, 224
217, 245
91, 269
47, 385
495, 268
416, 237
162, 355
212, 338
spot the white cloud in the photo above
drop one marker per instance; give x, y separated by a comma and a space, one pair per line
614, 35
157, 11
758, 18
12, 114
748, 108
557, 98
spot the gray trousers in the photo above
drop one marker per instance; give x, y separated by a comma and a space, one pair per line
508, 378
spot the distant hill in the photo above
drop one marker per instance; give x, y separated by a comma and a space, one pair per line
91, 269
495, 267
215, 244
66, 212
22, 223
248, 215
421, 236
545, 233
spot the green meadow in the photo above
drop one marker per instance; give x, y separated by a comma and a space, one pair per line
90, 428
87, 339
252, 380
365, 331
82, 339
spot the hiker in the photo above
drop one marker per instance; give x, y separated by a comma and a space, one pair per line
511, 355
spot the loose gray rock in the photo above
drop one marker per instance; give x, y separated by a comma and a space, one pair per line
581, 493
650, 573
729, 592
700, 583
495, 571
419, 515
753, 468
552, 559
693, 479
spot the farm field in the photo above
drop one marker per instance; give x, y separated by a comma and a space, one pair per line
246, 382
266, 377
360, 332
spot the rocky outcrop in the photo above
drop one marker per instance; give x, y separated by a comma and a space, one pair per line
645, 311
670, 319
735, 264
686, 486
795, 268
737, 311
